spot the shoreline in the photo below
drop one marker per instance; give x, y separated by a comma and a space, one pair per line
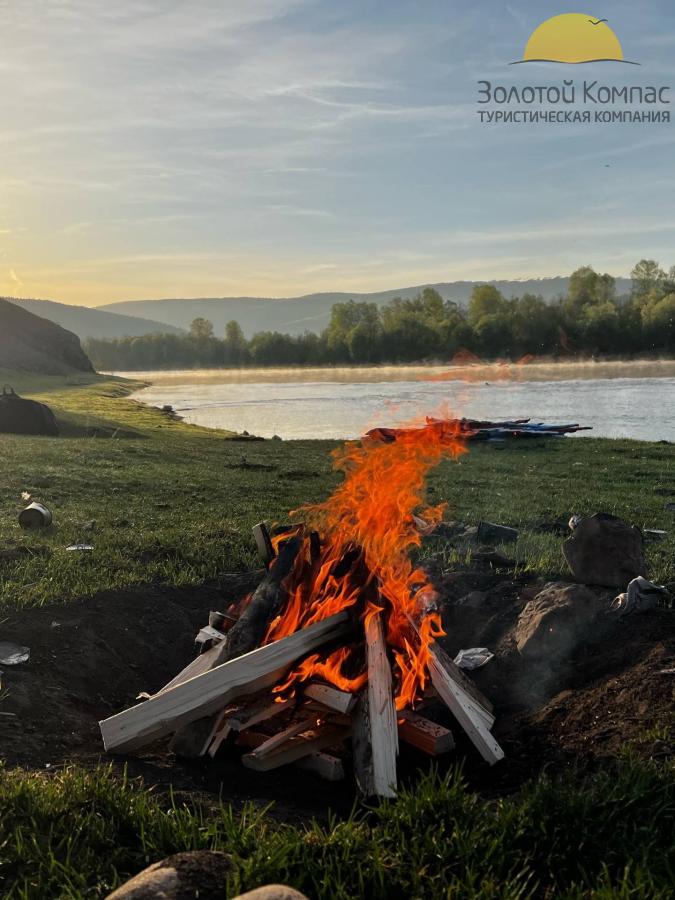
536, 371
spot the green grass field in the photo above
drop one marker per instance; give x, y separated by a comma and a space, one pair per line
175, 504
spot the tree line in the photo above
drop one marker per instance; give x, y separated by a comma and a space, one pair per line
590, 320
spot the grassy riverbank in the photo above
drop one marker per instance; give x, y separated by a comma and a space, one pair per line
175, 503
164, 502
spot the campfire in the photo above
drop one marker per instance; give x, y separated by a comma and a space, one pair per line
337, 647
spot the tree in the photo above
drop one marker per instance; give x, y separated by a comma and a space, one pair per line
201, 329
236, 348
485, 300
647, 276
587, 287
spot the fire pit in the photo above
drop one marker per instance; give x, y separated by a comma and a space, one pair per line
337, 646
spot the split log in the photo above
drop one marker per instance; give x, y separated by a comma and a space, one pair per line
331, 697
245, 635
295, 747
362, 751
424, 734
470, 716
323, 764
381, 712
209, 692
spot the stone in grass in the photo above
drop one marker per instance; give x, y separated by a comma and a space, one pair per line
604, 550
552, 624
183, 876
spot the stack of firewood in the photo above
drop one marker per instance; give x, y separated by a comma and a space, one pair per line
226, 696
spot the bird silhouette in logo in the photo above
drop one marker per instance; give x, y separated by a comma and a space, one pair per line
597, 21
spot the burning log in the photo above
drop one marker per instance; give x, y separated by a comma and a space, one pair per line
376, 734
209, 692
424, 734
245, 635
331, 698
298, 741
287, 658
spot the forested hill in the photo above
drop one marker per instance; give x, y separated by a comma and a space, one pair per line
93, 323
312, 312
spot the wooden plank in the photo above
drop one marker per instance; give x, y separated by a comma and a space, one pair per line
263, 708
328, 767
296, 747
331, 697
381, 712
198, 666
211, 691
424, 734
478, 699
464, 709
362, 752
281, 737
324, 764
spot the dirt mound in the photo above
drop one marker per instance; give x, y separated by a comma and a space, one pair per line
29, 343
91, 659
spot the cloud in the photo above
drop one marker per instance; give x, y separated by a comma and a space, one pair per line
14, 278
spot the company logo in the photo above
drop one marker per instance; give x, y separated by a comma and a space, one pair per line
574, 38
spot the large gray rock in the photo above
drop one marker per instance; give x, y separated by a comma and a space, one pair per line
556, 620
604, 550
183, 876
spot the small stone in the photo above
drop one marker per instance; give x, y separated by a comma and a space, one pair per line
199, 873
272, 892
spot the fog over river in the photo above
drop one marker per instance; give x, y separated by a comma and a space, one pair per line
354, 401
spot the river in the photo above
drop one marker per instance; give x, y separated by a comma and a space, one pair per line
346, 403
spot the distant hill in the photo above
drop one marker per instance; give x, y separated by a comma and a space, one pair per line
312, 311
96, 323
30, 343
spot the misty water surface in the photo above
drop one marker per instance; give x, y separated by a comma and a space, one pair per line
641, 408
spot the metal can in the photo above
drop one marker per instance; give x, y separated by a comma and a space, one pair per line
35, 515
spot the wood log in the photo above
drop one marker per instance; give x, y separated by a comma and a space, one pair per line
362, 751
296, 747
211, 691
323, 764
330, 697
424, 734
463, 707
245, 635
381, 712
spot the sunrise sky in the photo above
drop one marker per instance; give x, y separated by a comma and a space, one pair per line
153, 148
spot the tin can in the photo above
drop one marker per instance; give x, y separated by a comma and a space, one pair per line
35, 515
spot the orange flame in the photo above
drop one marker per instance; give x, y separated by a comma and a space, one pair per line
368, 527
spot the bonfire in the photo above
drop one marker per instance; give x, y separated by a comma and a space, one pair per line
338, 645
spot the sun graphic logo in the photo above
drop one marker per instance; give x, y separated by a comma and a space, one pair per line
574, 38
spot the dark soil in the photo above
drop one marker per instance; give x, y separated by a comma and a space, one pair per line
91, 659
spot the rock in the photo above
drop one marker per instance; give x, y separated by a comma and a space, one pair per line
556, 620
604, 550
183, 876
21, 416
272, 892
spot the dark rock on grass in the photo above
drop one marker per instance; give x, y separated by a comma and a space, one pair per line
183, 876
604, 550
552, 624
21, 416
